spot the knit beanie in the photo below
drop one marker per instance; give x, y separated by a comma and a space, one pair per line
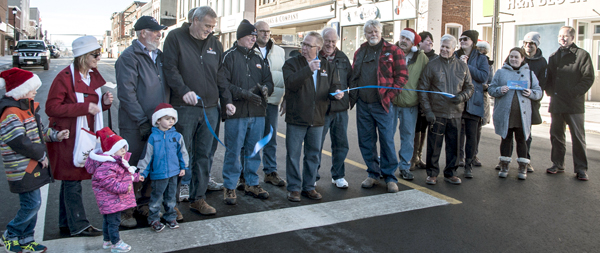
245, 29
413, 36
533, 37
18, 82
163, 109
110, 142
471, 34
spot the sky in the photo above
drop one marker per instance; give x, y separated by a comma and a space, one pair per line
89, 17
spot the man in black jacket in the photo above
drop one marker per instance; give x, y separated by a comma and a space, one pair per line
191, 62
336, 117
570, 76
140, 91
249, 82
308, 81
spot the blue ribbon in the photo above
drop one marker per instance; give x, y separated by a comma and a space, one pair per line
208, 123
394, 88
261, 144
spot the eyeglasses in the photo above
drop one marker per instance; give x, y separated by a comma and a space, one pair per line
95, 55
330, 41
528, 43
307, 45
264, 31
463, 39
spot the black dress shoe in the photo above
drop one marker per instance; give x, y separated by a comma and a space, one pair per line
90, 231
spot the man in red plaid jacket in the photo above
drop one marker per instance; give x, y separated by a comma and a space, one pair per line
380, 63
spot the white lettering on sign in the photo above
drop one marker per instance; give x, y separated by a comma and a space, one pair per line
521, 4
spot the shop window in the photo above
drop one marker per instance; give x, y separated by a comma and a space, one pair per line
353, 36
597, 29
454, 29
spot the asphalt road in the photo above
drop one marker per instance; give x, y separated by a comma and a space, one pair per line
545, 213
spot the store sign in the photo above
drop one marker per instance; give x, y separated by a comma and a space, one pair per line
360, 15
521, 4
312, 14
404, 9
231, 23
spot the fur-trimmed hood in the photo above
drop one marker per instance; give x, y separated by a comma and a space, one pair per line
97, 158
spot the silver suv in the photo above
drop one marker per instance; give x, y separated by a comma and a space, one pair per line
31, 52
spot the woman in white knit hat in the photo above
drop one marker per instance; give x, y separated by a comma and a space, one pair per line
75, 101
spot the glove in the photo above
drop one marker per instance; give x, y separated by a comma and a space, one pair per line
145, 130
263, 90
251, 97
455, 100
430, 117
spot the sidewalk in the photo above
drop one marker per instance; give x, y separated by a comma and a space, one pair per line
5, 62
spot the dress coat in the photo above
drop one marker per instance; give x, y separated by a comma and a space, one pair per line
62, 109
503, 102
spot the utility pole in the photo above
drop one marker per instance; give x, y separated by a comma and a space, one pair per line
495, 33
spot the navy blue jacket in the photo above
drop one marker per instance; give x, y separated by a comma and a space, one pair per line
480, 69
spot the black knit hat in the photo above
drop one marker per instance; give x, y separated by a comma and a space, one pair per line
245, 29
474, 35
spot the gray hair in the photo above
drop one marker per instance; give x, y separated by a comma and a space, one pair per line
372, 23
318, 37
330, 30
571, 30
191, 14
138, 33
449, 37
259, 23
202, 11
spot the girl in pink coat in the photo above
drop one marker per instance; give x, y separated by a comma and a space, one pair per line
112, 182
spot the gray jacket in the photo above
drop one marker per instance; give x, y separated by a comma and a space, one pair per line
503, 102
140, 86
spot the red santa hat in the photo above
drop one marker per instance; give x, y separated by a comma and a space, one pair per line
163, 109
413, 36
18, 82
110, 142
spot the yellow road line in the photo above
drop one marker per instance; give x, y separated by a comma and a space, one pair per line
404, 182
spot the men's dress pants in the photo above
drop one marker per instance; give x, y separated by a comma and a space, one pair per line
338, 123
242, 133
557, 138
311, 136
198, 140
269, 152
407, 119
372, 120
448, 130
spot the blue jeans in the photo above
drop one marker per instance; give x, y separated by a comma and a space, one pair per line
373, 120
311, 136
163, 191
71, 212
110, 227
21, 228
338, 123
198, 140
407, 116
242, 132
270, 150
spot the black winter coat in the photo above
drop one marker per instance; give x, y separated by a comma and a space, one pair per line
187, 67
538, 65
569, 78
242, 69
344, 70
306, 106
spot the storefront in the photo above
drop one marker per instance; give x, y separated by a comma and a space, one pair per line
518, 17
393, 15
289, 27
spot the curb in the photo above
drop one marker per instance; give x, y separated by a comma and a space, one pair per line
5, 66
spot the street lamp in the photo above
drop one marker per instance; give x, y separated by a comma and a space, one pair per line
14, 12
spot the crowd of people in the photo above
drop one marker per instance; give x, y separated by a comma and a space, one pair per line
159, 158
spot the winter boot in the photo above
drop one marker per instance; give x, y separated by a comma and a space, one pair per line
468, 168
504, 162
523, 162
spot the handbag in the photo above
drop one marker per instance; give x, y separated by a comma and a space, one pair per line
85, 142
536, 118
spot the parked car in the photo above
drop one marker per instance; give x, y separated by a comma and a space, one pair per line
54, 51
31, 52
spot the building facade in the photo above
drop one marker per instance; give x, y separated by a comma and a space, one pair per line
4, 26
518, 17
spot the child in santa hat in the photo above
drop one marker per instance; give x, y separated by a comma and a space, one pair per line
112, 182
22, 138
166, 158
